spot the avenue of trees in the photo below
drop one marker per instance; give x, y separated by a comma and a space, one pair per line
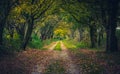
93, 20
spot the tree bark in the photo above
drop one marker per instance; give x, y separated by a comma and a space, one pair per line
109, 21
93, 36
28, 33
2, 24
112, 44
72, 34
81, 34
100, 36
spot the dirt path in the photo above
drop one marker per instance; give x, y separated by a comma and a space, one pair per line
63, 55
69, 64
53, 46
40, 67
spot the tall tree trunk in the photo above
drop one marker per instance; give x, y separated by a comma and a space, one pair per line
1, 32
93, 36
28, 33
81, 34
2, 24
100, 36
110, 23
112, 44
72, 34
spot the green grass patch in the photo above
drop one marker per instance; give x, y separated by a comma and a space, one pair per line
58, 47
55, 68
36, 42
49, 41
82, 45
73, 45
70, 44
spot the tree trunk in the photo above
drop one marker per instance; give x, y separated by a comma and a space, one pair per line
28, 33
100, 36
81, 34
93, 36
72, 34
112, 44
2, 24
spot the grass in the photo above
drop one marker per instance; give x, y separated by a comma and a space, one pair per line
73, 45
35, 42
55, 68
70, 44
49, 41
58, 47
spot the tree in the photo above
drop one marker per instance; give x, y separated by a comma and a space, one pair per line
112, 44
106, 10
32, 11
83, 14
5, 8
47, 30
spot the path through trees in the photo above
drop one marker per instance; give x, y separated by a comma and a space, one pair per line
63, 55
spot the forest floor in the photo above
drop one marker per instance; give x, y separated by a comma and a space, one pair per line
64, 61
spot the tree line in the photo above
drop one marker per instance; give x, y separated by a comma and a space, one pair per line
22, 17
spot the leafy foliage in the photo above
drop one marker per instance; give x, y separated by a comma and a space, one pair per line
36, 42
71, 44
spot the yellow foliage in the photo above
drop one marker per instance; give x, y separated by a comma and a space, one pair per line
8, 36
15, 36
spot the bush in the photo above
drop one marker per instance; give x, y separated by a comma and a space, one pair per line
35, 42
83, 45
10, 46
71, 44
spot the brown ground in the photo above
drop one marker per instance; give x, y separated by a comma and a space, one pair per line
81, 61
62, 55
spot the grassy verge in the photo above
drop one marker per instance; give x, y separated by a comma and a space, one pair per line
49, 41
37, 43
72, 45
58, 47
